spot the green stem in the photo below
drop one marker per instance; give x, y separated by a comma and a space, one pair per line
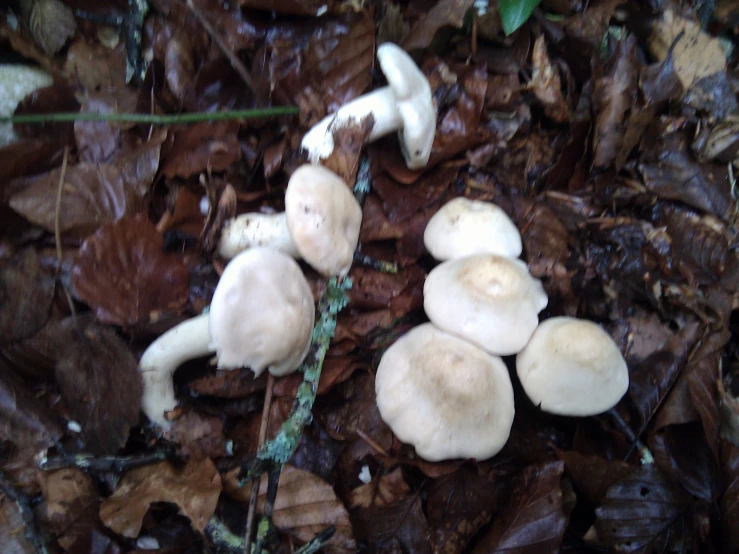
152, 119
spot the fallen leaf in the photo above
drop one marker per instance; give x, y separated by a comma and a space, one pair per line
729, 504
458, 506
593, 475
381, 491
100, 383
194, 488
304, 506
201, 148
123, 273
546, 83
26, 293
199, 436
13, 535
444, 13
695, 54
400, 527
97, 141
642, 512
534, 520
69, 500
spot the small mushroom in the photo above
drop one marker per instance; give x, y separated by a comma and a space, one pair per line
16, 82
463, 227
261, 317
445, 396
404, 105
572, 367
489, 300
321, 223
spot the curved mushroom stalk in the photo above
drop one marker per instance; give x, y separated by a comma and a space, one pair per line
405, 105
190, 339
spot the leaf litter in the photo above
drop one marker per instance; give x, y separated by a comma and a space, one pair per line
606, 130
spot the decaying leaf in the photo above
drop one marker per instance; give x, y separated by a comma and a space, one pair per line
69, 498
400, 527
730, 499
99, 379
695, 55
194, 488
645, 496
305, 505
380, 492
445, 12
546, 83
593, 475
123, 272
534, 520
12, 528
26, 293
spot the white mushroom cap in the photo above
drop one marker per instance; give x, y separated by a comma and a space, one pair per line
324, 219
463, 227
489, 300
414, 101
572, 367
445, 396
262, 313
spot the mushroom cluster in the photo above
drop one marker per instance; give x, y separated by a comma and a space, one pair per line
443, 387
262, 312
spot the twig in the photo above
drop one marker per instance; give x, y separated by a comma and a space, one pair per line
24, 507
222, 537
235, 62
362, 185
152, 119
133, 25
317, 542
645, 455
255, 486
57, 228
267, 537
379, 265
115, 464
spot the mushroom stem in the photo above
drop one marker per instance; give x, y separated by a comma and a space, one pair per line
190, 339
380, 103
256, 229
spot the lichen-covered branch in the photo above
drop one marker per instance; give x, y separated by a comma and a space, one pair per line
115, 464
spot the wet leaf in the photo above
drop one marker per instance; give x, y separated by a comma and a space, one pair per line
305, 505
458, 506
534, 520
97, 141
546, 83
593, 475
70, 499
201, 148
92, 195
26, 293
194, 488
400, 527
199, 436
730, 498
613, 97
123, 273
12, 526
381, 491
100, 383
642, 511
445, 12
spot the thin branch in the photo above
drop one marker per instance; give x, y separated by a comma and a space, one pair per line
152, 119
255, 486
115, 464
235, 62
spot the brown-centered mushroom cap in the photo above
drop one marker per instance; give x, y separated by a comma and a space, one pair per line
324, 219
445, 396
572, 367
489, 300
262, 313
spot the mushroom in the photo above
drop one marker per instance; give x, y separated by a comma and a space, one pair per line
404, 105
320, 223
572, 367
463, 227
445, 396
261, 317
16, 82
489, 300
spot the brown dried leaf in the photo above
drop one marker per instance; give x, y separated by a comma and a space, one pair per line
201, 148
546, 84
642, 511
458, 506
199, 436
613, 97
348, 142
593, 475
380, 492
305, 505
12, 527
69, 498
534, 521
100, 383
444, 13
400, 527
695, 55
91, 196
94, 66
123, 273
26, 293
97, 141
194, 488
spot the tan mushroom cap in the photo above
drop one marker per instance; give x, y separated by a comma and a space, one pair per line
572, 367
262, 313
445, 396
463, 227
324, 219
491, 301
